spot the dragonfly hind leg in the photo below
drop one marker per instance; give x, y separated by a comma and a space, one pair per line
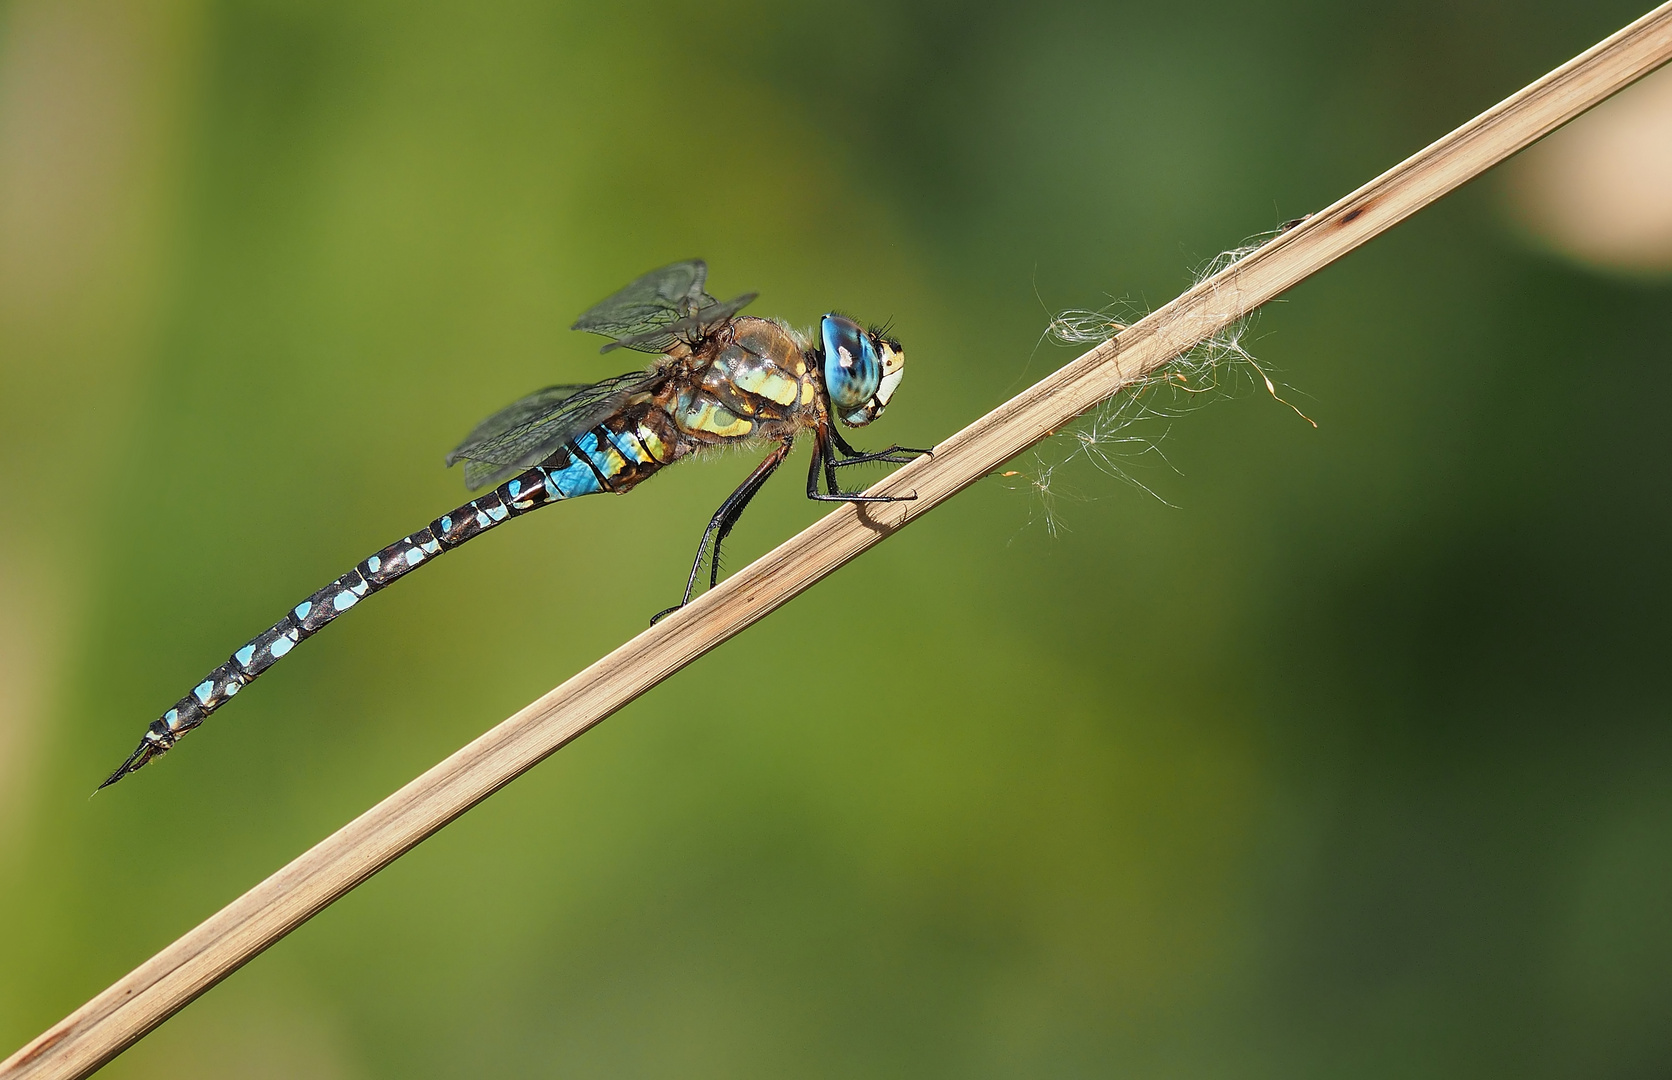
720, 525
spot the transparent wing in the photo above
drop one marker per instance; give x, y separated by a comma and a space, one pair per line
660, 309
515, 415
658, 298
532, 428
689, 329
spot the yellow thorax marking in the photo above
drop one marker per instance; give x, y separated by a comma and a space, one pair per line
715, 419
768, 383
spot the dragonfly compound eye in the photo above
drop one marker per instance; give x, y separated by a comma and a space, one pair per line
852, 369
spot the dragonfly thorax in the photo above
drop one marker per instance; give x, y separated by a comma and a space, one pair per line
861, 368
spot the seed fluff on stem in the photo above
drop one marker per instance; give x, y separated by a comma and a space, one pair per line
1109, 437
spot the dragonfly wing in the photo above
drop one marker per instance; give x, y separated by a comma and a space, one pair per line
691, 328
660, 297
532, 428
515, 415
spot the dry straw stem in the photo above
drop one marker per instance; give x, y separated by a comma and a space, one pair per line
114, 1020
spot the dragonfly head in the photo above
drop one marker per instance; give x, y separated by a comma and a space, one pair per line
861, 369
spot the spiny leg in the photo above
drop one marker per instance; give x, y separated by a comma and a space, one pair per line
731, 520
721, 524
894, 455
825, 460
891, 457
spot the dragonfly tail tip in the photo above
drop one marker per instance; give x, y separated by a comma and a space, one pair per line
143, 753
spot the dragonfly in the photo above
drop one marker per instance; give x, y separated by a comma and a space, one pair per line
720, 379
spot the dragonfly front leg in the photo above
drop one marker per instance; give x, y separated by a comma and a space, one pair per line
825, 460
720, 525
894, 455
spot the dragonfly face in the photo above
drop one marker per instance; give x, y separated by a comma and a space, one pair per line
861, 369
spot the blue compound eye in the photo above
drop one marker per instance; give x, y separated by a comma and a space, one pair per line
852, 371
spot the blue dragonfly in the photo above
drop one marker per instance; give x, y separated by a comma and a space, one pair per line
719, 380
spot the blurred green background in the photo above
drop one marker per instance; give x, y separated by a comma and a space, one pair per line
1352, 761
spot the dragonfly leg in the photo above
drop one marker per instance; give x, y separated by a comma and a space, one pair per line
825, 460
894, 455
740, 502
721, 524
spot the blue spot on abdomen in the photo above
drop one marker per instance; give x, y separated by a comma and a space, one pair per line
579, 479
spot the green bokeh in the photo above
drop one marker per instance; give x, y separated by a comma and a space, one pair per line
1350, 762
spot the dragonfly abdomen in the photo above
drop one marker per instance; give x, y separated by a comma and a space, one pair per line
600, 460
